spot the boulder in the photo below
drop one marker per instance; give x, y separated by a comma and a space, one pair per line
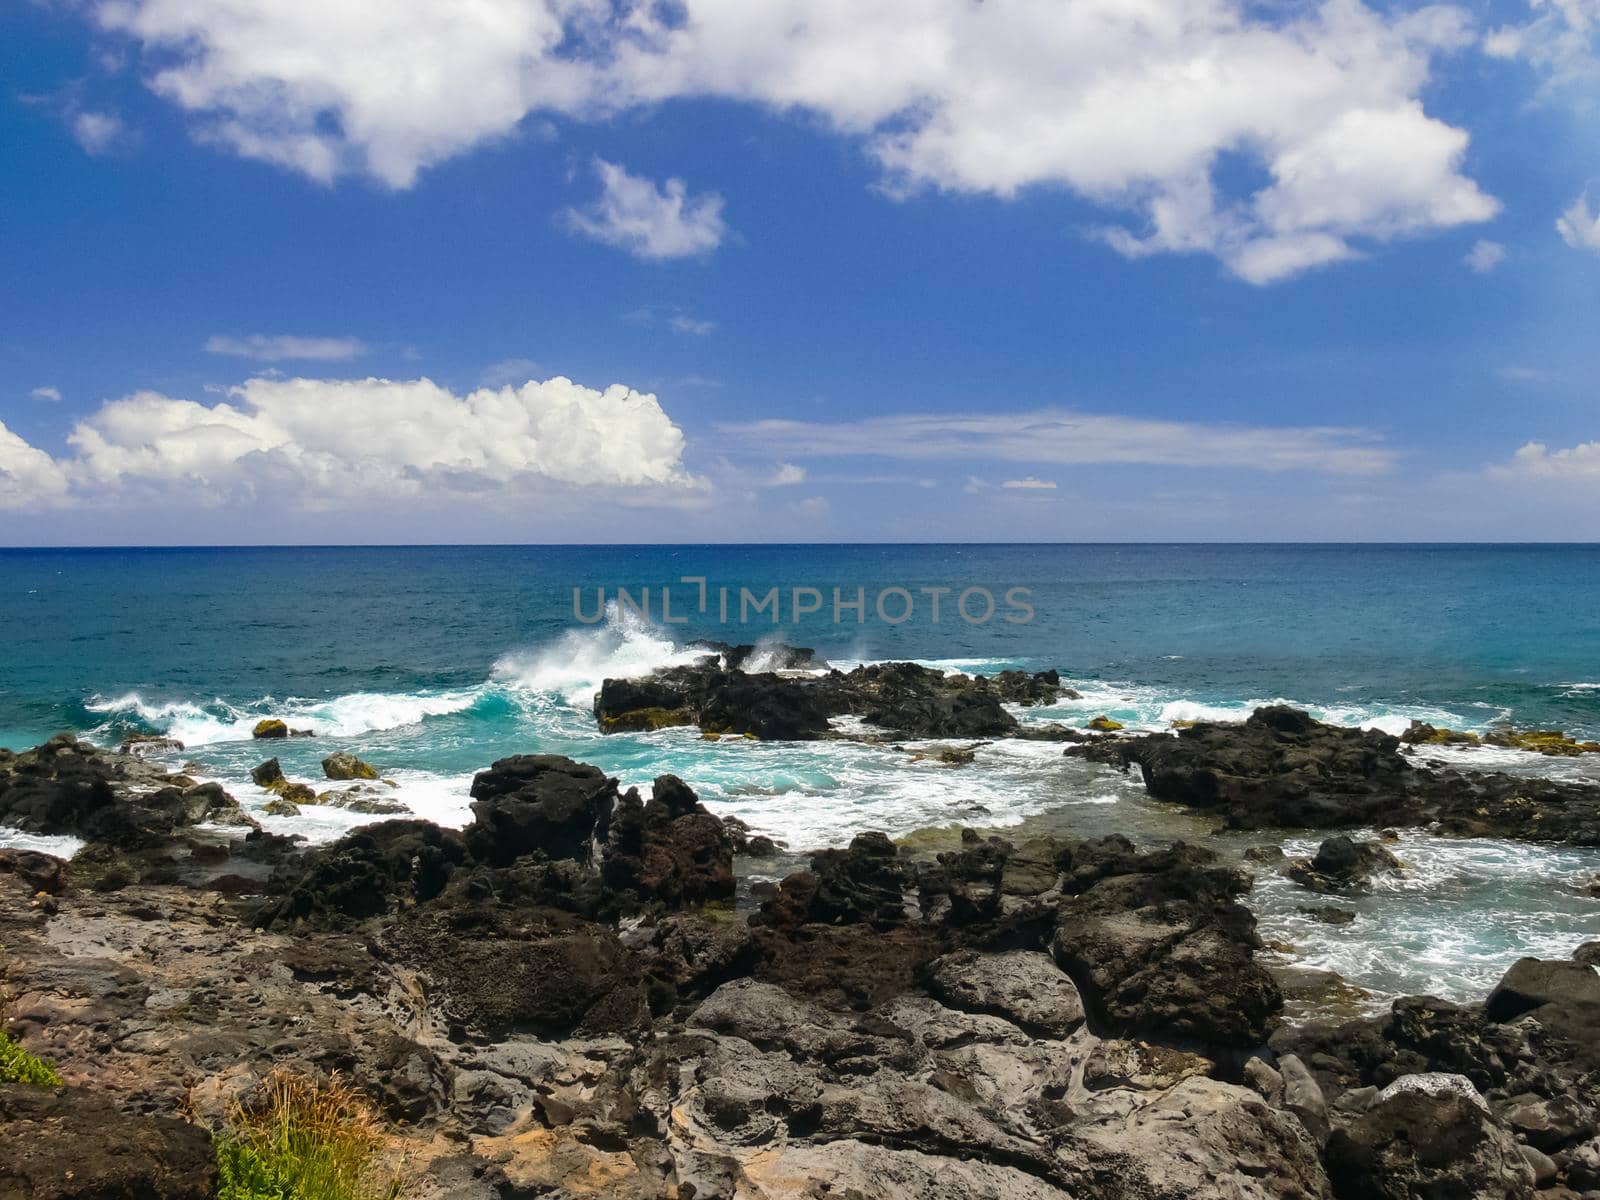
267, 774
1427, 1140
271, 727
537, 803
1168, 954
1023, 986
344, 765
1342, 864
40, 872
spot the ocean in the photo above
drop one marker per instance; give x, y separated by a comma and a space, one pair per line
431, 662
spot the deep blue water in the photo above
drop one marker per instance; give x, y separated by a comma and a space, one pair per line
1470, 630
432, 662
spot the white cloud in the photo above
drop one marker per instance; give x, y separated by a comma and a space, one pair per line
647, 221
317, 440
693, 326
1485, 256
96, 132
52, 394
1518, 373
1559, 38
1579, 226
279, 347
675, 319
508, 370
1057, 436
1029, 483
1580, 463
1133, 106
786, 475
814, 509
29, 478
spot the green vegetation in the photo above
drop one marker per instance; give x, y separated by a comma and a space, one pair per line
300, 1140
18, 1066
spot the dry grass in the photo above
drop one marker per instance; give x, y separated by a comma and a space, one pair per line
297, 1139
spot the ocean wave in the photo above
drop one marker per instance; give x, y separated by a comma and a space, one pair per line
218, 721
574, 666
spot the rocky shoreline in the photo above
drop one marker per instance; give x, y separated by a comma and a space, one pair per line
564, 998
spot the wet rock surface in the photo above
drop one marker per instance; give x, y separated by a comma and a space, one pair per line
904, 699
1281, 768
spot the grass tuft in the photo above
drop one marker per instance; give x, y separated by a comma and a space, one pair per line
296, 1139
18, 1066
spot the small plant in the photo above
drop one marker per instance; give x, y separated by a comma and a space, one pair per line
297, 1139
18, 1066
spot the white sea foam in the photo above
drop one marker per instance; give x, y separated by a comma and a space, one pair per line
624, 647
61, 845
346, 716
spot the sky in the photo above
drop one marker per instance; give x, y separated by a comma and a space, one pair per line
339, 271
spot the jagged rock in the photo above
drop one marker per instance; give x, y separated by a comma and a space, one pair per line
1420, 733
1023, 986
41, 872
267, 774
865, 883
1168, 954
907, 699
271, 727
1418, 1142
70, 1144
537, 803
669, 850
1040, 687
71, 787
374, 870
149, 743
499, 970
1282, 768
1342, 865
344, 765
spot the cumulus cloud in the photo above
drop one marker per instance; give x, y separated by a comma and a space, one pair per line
1485, 256
51, 394
280, 347
648, 221
1056, 436
1579, 226
321, 440
1580, 463
28, 477
97, 132
1131, 106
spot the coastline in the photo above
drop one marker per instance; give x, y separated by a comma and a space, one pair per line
966, 1014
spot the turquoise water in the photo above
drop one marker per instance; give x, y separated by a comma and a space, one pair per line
432, 662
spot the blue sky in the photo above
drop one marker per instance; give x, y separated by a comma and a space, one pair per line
363, 270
